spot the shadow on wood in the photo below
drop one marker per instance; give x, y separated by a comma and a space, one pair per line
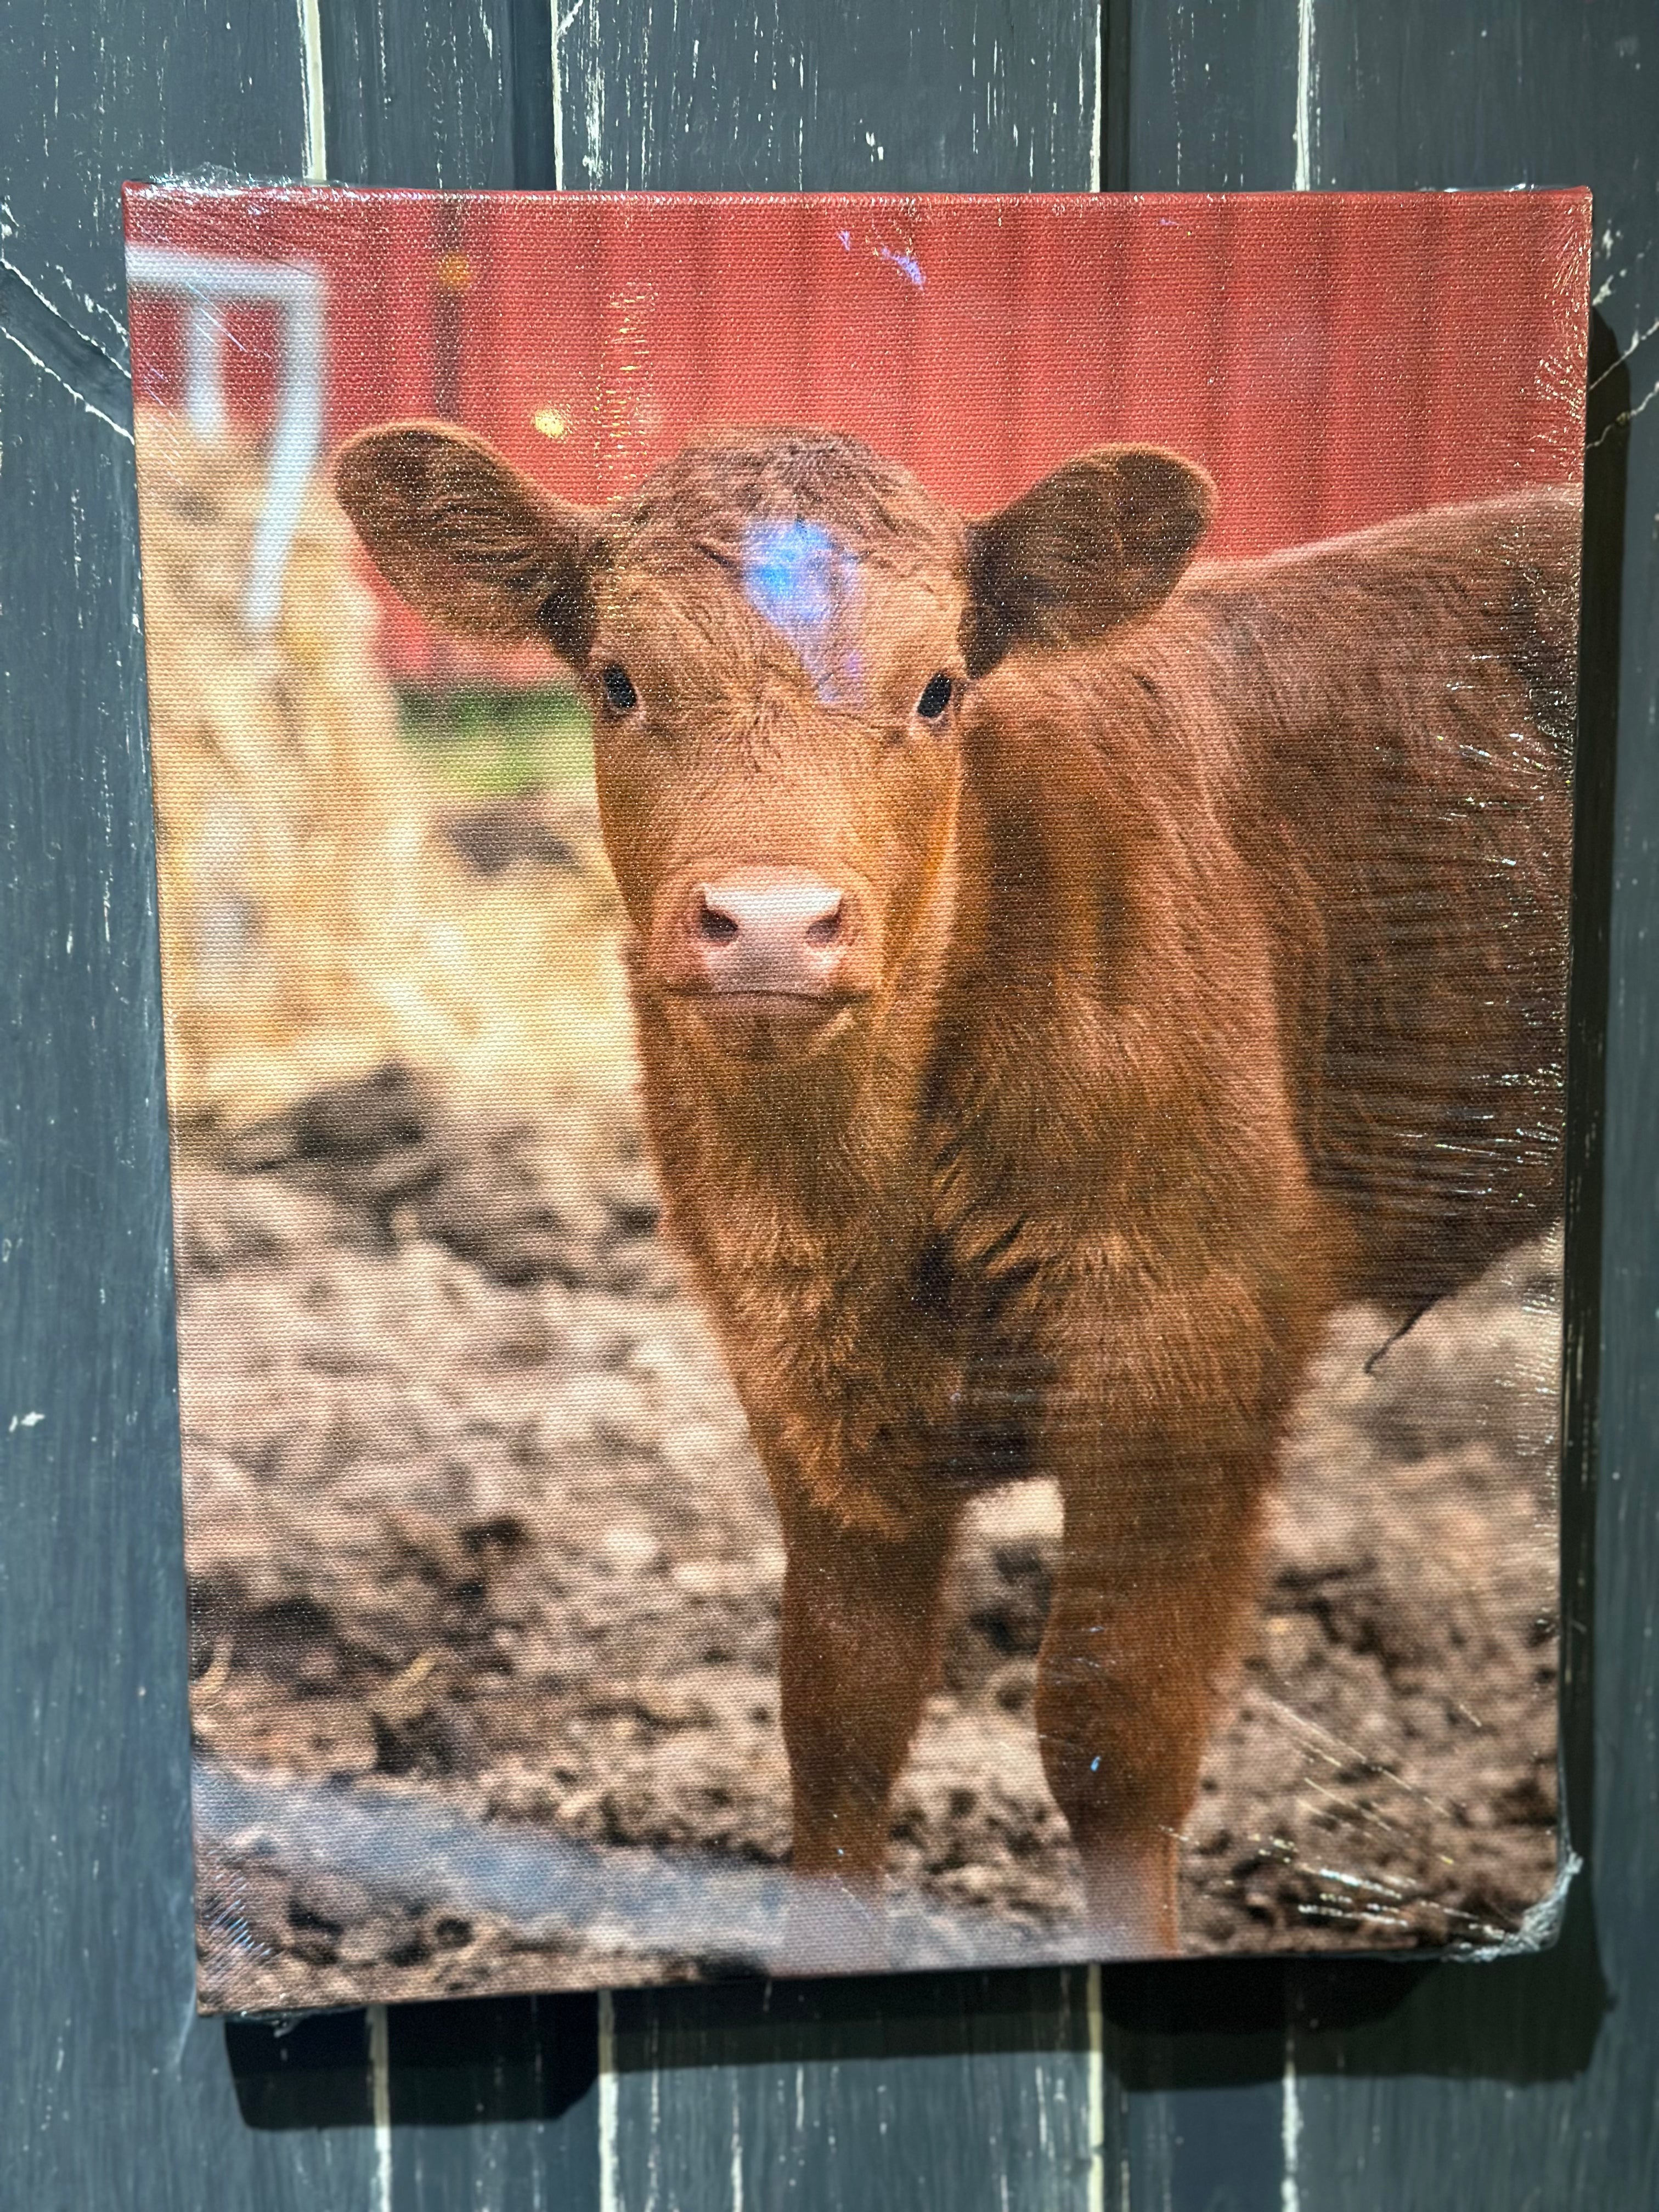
452, 2064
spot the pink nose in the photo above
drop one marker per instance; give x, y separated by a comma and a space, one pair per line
778, 933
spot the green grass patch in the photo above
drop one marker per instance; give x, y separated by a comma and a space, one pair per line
494, 742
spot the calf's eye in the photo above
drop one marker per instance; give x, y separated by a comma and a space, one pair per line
936, 697
617, 685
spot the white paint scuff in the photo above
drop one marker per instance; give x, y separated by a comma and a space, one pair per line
1290, 2187
1305, 14
557, 26
609, 2194
1097, 2092
46, 368
737, 2147
380, 2074
311, 87
1096, 126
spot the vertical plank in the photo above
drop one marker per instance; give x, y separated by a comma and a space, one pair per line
970, 2092
1211, 103
968, 96
1526, 2083
1206, 99
493, 2104
1193, 2061
941, 2096
454, 96
1483, 92
1492, 93
111, 2093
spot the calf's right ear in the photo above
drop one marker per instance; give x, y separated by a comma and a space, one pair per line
1102, 540
470, 542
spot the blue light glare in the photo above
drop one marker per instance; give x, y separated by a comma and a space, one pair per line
800, 578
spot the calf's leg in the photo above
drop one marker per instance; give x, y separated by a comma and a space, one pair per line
858, 1653
1148, 1611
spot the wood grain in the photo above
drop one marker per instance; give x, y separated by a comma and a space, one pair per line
902, 2095
450, 96
1212, 96
967, 95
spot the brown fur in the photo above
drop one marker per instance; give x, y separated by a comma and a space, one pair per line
1218, 938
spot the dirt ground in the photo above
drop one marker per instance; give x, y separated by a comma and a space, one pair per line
479, 1553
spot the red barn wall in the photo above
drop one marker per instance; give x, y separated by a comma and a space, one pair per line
1330, 359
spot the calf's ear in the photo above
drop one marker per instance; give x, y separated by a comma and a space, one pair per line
1102, 540
470, 542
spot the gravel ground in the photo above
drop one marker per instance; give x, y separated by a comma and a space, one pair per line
476, 1537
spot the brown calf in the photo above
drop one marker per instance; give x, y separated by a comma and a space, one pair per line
1061, 976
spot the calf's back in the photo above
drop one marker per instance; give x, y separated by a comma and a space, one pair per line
1382, 728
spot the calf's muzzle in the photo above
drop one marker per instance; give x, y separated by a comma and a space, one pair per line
770, 933
768, 954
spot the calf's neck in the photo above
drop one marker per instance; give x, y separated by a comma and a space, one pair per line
1063, 974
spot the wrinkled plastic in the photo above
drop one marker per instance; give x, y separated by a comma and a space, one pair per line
798, 988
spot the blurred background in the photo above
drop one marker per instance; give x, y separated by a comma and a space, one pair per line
1330, 359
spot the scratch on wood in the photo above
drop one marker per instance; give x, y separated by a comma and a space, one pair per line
1618, 422
1096, 115
1289, 2190
71, 357
46, 368
310, 91
557, 26
1304, 25
1619, 359
609, 2197
737, 2147
1097, 2092
592, 159
380, 2071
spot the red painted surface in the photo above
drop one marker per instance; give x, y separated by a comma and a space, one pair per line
1330, 359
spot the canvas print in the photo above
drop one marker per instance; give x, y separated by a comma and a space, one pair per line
864, 907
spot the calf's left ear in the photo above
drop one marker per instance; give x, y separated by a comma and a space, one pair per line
1104, 539
467, 539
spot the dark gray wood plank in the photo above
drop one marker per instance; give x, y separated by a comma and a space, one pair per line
111, 2093
451, 95
493, 2104
1528, 2082
95, 93
1211, 99
1482, 93
1200, 2098
968, 2091
1494, 95
973, 95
